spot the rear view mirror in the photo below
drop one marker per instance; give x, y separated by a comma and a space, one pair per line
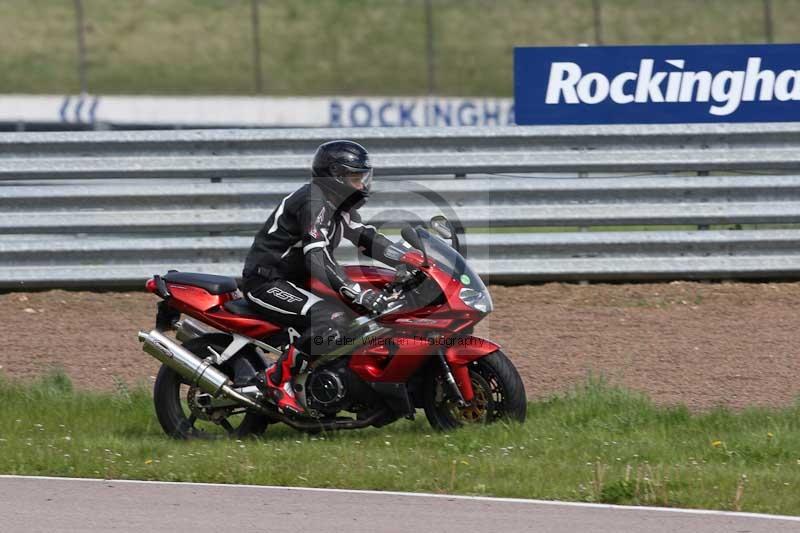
411, 236
442, 226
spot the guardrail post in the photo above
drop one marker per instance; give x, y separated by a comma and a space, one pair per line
768, 26
429, 47
255, 20
598, 21
81, 36
583, 229
703, 227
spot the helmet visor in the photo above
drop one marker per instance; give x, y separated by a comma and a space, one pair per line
357, 178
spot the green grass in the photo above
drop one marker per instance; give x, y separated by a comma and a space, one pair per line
320, 47
597, 444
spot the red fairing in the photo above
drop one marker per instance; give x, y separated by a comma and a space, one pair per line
449, 285
374, 362
251, 326
463, 351
418, 323
150, 285
206, 307
366, 276
466, 349
413, 258
196, 297
369, 275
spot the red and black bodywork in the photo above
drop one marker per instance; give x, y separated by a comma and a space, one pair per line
440, 299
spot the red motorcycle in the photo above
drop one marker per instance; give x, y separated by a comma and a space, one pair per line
419, 353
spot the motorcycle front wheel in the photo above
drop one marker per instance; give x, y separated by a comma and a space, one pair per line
181, 410
499, 394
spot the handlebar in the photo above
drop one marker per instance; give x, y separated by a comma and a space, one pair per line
404, 281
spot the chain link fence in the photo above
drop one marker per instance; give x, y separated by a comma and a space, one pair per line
318, 47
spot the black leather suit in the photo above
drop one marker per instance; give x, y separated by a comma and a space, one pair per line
296, 243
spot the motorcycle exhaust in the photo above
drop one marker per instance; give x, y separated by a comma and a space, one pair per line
196, 371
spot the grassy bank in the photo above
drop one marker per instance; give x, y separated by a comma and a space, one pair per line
595, 444
318, 47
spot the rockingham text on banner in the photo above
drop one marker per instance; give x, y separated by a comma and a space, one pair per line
657, 84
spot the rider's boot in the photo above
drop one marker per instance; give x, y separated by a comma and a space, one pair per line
277, 383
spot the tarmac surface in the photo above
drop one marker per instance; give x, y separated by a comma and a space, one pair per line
62, 504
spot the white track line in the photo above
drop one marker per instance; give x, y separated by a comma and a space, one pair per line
425, 495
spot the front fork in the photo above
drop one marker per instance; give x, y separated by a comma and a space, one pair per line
458, 381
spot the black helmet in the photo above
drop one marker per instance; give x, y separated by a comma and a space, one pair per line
338, 168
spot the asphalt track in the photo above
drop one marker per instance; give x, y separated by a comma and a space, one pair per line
62, 504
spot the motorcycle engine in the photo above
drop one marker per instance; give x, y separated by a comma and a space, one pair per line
335, 388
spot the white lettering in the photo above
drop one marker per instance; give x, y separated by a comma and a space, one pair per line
782, 91
727, 88
688, 80
674, 80
753, 77
617, 90
648, 85
673, 86
563, 77
595, 81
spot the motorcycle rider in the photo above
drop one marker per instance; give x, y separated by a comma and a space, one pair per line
297, 243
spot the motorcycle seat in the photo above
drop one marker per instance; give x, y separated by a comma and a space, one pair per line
210, 282
240, 307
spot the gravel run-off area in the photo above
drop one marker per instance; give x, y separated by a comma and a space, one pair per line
699, 344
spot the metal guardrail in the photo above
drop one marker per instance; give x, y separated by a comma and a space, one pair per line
62, 261
402, 151
512, 202
61, 225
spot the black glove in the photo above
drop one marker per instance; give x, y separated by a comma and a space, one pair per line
370, 300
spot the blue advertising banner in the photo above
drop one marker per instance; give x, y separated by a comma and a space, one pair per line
657, 84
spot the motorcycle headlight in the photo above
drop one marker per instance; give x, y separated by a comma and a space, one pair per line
479, 300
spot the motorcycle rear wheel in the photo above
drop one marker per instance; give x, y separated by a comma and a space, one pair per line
499, 394
176, 417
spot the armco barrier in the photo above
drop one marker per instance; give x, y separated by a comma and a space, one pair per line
107, 208
402, 151
111, 208
58, 261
